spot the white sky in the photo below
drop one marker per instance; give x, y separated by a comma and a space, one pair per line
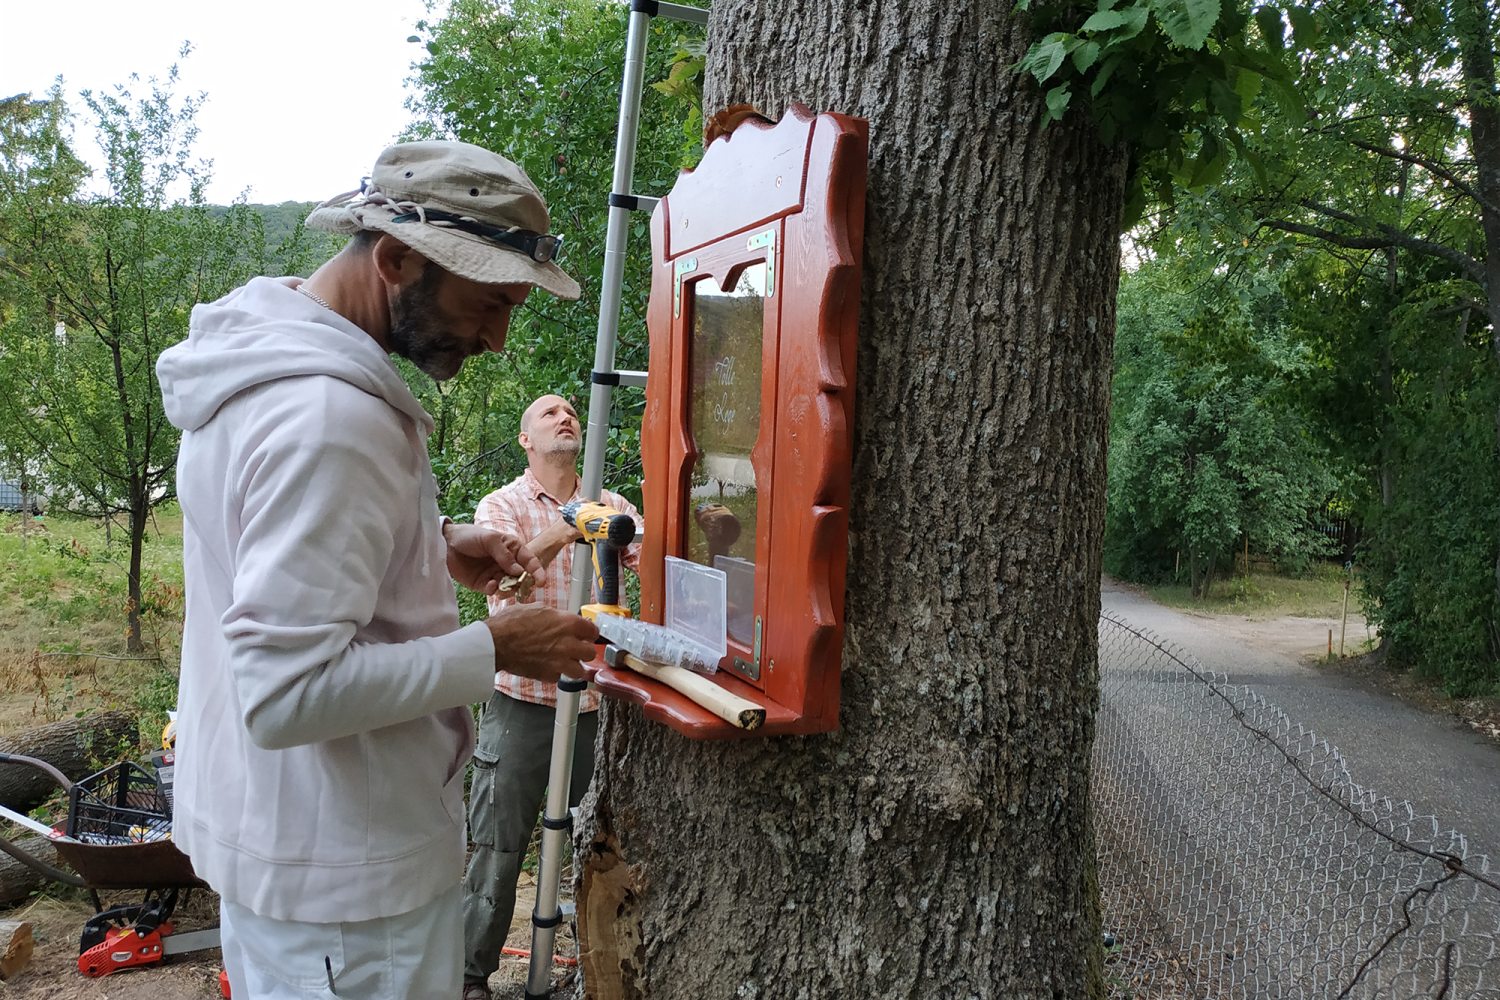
302, 94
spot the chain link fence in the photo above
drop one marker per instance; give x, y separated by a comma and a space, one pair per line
1239, 861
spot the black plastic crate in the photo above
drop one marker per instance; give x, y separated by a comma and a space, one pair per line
122, 804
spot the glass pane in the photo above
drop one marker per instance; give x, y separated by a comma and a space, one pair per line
724, 353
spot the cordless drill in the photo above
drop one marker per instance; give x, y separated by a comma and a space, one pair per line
608, 532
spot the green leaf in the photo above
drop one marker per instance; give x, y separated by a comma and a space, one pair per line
1085, 56
1057, 102
1210, 164
1043, 59
1186, 23
1135, 23
1225, 101
1268, 19
1105, 20
1247, 84
1253, 159
1106, 70
1288, 99
1135, 204
1305, 30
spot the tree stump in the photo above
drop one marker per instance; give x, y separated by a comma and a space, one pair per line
76, 747
15, 947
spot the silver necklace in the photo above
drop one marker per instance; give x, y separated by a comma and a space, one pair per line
314, 296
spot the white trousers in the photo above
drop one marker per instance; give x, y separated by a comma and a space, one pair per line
412, 956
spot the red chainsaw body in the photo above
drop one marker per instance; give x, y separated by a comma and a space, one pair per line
123, 948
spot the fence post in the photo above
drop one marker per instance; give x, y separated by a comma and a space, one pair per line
1344, 626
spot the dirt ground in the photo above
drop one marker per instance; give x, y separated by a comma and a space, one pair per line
53, 971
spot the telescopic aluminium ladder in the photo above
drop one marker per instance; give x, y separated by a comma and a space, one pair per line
557, 821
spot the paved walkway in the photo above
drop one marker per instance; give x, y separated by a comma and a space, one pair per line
1442, 767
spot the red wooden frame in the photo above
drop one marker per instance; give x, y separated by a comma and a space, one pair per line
791, 195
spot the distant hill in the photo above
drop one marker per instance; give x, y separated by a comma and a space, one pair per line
280, 220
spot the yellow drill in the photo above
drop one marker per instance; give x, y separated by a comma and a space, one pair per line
608, 532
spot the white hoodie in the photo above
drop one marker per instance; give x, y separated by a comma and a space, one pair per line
323, 725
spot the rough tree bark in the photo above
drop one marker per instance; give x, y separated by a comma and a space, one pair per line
1477, 44
73, 746
938, 845
16, 880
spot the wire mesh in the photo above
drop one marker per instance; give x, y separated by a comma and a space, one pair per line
1238, 860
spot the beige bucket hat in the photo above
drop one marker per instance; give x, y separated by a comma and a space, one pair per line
466, 209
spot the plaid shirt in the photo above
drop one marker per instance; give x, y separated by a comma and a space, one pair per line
524, 508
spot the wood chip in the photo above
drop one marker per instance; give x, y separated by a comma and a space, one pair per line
15, 947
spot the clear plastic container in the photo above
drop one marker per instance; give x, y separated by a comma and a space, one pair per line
656, 644
696, 604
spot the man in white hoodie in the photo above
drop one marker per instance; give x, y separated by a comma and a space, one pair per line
323, 725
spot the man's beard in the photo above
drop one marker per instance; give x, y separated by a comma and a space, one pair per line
418, 335
564, 448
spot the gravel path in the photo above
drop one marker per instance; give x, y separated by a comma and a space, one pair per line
1442, 767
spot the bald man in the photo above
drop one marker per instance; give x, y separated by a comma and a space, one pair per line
515, 732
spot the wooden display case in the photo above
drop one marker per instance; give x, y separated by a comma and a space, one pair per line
747, 436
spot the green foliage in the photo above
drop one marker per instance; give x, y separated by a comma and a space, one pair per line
282, 226
1430, 563
1176, 80
1207, 444
64, 584
1347, 148
1410, 393
684, 84
539, 81
96, 286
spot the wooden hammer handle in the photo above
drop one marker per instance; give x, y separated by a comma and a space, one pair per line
733, 709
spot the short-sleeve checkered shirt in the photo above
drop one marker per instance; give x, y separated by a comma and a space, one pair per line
524, 508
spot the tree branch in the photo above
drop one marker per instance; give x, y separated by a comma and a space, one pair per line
1383, 237
1435, 169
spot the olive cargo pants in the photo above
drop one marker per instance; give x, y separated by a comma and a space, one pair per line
511, 766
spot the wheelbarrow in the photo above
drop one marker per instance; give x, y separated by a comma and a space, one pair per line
117, 837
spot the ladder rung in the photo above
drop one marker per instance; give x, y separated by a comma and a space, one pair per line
634, 202
636, 380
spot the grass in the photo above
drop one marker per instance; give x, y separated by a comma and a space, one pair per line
1319, 594
63, 606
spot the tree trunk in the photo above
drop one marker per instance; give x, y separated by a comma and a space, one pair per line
140, 513
1476, 32
16, 880
1201, 569
939, 844
76, 747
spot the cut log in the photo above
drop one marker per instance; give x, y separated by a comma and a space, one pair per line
15, 947
16, 880
76, 747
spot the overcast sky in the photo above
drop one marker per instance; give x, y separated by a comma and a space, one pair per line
302, 94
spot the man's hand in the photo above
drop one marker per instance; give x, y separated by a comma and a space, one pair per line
541, 643
479, 558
